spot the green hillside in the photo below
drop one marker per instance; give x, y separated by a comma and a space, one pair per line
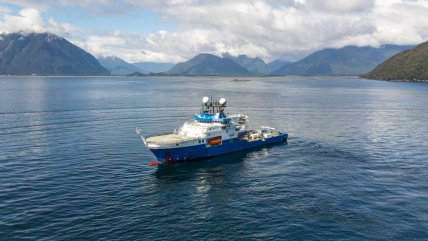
409, 65
349, 60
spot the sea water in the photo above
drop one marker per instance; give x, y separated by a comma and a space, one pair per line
72, 167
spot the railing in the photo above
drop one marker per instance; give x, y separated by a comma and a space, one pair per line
159, 134
184, 140
181, 139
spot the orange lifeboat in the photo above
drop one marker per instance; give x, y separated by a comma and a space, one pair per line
215, 141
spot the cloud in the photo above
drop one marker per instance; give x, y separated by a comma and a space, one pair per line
270, 29
401, 22
4, 10
30, 20
90, 6
161, 46
340, 6
267, 30
290, 29
27, 20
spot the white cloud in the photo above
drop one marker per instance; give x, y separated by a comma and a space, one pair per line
268, 29
27, 20
272, 29
401, 22
4, 10
340, 6
30, 20
263, 29
161, 46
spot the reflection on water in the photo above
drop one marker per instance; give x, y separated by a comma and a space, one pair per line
200, 169
197, 168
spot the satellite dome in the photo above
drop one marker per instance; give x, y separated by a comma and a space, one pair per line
222, 101
205, 100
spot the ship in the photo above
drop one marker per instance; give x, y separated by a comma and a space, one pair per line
210, 133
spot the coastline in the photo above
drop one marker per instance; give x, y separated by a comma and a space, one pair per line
205, 76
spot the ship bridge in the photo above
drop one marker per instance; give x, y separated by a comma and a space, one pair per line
212, 111
212, 118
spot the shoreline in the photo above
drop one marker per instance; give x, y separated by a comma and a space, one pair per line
208, 76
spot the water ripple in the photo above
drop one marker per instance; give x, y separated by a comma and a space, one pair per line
354, 168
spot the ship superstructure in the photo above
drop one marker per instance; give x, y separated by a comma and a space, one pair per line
210, 133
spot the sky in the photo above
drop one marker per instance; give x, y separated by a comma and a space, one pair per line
177, 30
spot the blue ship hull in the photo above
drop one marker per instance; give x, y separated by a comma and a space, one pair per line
204, 151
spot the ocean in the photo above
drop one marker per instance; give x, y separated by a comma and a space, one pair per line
355, 166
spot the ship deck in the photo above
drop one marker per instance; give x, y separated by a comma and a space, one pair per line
248, 138
169, 139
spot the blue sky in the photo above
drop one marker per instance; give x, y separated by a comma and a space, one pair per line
175, 30
139, 20
142, 21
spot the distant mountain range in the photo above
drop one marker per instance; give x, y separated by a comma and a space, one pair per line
153, 67
409, 65
49, 54
254, 65
117, 66
45, 54
277, 64
349, 60
208, 64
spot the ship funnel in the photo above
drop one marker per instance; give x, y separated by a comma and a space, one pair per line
222, 101
205, 100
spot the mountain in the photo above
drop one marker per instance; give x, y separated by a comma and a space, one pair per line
117, 66
254, 65
349, 60
136, 74
208, 64
277, 64
45, 54
153, 67
409, 65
